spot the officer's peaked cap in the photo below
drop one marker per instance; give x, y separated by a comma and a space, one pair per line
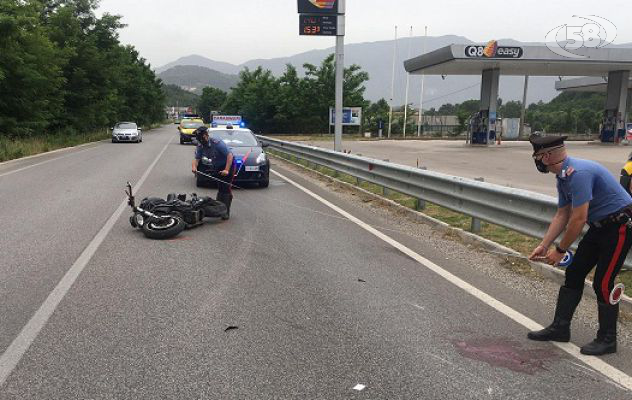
544, 142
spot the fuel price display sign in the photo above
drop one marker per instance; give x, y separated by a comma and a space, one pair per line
318, 25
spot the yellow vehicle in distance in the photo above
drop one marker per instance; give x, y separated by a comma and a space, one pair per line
187, 129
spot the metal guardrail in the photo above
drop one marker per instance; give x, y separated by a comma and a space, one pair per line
520, 210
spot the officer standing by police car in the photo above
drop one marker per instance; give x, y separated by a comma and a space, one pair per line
222, 159
588, 193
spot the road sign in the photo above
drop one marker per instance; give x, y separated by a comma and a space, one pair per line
321, 7
351, 116
318, 25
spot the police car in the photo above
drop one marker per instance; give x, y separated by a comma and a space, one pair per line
252, 163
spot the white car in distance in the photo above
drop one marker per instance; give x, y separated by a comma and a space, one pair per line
126, 132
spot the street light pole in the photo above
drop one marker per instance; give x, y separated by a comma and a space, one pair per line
340, 67
390, 112
407, 84
423, 79
524, 106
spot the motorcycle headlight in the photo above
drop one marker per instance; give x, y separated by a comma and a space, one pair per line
262, 159
140, 221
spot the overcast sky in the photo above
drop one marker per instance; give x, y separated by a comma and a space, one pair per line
236, 31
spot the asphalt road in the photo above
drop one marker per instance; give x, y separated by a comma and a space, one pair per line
320, 303
509, 164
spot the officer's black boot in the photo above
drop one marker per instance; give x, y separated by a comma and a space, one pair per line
227, 199
606, 341
560, 329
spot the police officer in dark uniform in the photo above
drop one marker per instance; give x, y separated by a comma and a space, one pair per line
588, 193
222, 159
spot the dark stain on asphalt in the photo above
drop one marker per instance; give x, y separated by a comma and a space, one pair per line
506, 353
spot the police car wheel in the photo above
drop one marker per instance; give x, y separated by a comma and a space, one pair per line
265, 183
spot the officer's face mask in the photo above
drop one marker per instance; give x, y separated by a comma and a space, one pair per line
205, 141
539, 164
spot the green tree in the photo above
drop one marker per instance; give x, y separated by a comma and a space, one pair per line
254, 98
30, 74
511, 109
320, 84
291, 103
211, 99
175, 96
374, 113
62, 68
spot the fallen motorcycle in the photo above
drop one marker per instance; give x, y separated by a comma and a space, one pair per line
163, 219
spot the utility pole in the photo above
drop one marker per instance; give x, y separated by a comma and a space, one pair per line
340, 67
407, 84
423, 79
524, 106
390, 112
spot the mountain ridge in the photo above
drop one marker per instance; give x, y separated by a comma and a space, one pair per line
194, 78
376, 59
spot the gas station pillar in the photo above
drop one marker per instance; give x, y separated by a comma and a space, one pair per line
616, 107
483, 125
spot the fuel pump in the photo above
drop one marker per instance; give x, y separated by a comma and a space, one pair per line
479, 125
610, 126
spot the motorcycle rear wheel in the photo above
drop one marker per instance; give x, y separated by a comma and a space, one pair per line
163, 228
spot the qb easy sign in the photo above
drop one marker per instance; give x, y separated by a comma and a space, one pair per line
321, 6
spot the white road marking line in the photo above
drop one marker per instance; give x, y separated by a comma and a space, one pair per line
597, 364
417, 306
16, 350
359, 387
15, 171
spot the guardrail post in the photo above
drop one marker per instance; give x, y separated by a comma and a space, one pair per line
386, 191
420, 204
476, 223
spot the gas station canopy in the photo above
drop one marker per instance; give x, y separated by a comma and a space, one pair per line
607, 68
592, 84
520, 60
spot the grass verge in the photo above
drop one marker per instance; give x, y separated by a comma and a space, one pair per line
521, 243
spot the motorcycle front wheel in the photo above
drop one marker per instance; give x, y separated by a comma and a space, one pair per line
163, 228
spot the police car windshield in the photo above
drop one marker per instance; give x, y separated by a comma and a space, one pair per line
235, 138
192, 125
